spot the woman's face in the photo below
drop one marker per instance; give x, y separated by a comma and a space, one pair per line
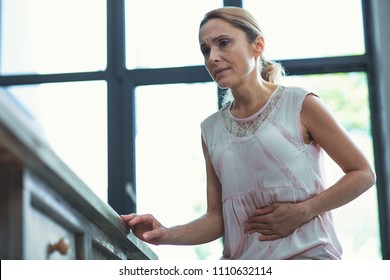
228, 56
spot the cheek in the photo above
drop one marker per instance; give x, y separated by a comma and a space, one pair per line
249, 65
244, 66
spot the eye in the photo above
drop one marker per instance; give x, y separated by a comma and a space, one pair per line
205, 51
224, 43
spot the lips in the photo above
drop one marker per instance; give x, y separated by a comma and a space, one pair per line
219, 71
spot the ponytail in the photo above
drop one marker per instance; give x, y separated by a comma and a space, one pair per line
271, 71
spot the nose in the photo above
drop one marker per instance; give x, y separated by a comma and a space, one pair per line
214, 55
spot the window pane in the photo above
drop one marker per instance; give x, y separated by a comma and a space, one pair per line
346, 94
73, 117
164, 33
309, 28
52, 36
170, 165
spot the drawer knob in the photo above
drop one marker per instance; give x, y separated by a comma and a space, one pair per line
61, 246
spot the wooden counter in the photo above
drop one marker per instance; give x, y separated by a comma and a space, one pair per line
46, 210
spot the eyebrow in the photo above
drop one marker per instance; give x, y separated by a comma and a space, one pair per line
215, 39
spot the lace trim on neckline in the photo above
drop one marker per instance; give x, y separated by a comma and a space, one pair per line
249, 126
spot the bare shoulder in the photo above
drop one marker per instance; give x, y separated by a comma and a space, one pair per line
315, 117
313, 102
315, 112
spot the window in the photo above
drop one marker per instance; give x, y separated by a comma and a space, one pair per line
50, 37
73, 119
349, 103
53, 36
171, 179
308, 33
308, 29
115, 62
165, 35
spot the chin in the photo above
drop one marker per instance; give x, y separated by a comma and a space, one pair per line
223, 85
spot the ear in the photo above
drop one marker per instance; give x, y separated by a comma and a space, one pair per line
258, 46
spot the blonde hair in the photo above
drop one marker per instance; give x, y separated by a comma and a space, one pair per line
240, 18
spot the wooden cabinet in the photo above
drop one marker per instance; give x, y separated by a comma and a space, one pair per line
46, 211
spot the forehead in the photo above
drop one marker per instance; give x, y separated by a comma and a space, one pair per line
217, 27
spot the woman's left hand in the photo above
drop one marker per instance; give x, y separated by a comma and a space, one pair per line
276, 220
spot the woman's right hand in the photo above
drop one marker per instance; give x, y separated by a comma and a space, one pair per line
145, 227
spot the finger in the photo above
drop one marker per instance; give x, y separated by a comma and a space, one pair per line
258, 219
265, 210
259, 228
264, 232
128, 217
132, 220
125, 219
256, 225
252, 231
137, 219
152, 235
269, 237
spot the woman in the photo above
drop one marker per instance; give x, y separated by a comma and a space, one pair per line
265, 189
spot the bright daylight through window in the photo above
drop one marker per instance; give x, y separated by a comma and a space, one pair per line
37, 37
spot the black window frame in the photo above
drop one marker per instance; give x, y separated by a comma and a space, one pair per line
121, 83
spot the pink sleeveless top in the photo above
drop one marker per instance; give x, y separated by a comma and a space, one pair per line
260, 160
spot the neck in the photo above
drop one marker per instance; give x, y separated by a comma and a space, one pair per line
248, 99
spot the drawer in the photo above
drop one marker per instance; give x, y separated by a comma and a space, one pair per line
47, 239
52, 230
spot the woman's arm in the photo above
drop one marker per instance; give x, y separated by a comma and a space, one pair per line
358, 177
280, 219
204, 229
